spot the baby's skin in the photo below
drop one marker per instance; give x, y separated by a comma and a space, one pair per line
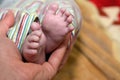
46, 37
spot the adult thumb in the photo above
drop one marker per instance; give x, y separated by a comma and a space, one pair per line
6, 23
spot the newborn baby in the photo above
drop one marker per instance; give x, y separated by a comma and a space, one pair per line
46, 37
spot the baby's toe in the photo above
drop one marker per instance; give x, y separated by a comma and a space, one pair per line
33, 45
69, 29
35, 26
66, 15
69, 19
33, 38
61, 12
52, 8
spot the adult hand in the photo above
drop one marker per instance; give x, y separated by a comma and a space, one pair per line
13, 68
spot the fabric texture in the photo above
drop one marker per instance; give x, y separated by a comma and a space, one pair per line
105, 4
25, 12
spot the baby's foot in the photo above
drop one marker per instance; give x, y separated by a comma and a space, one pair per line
34, 45
56, 26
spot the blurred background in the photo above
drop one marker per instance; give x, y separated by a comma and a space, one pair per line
96, 52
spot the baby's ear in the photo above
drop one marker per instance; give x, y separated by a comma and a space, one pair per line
8, 19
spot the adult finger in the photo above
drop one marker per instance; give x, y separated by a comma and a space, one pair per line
6, 23
66, 55
69, 48
57, 56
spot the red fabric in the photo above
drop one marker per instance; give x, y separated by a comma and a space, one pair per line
107, 3
102, 3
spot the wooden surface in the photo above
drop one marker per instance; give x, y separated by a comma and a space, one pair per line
91, 57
